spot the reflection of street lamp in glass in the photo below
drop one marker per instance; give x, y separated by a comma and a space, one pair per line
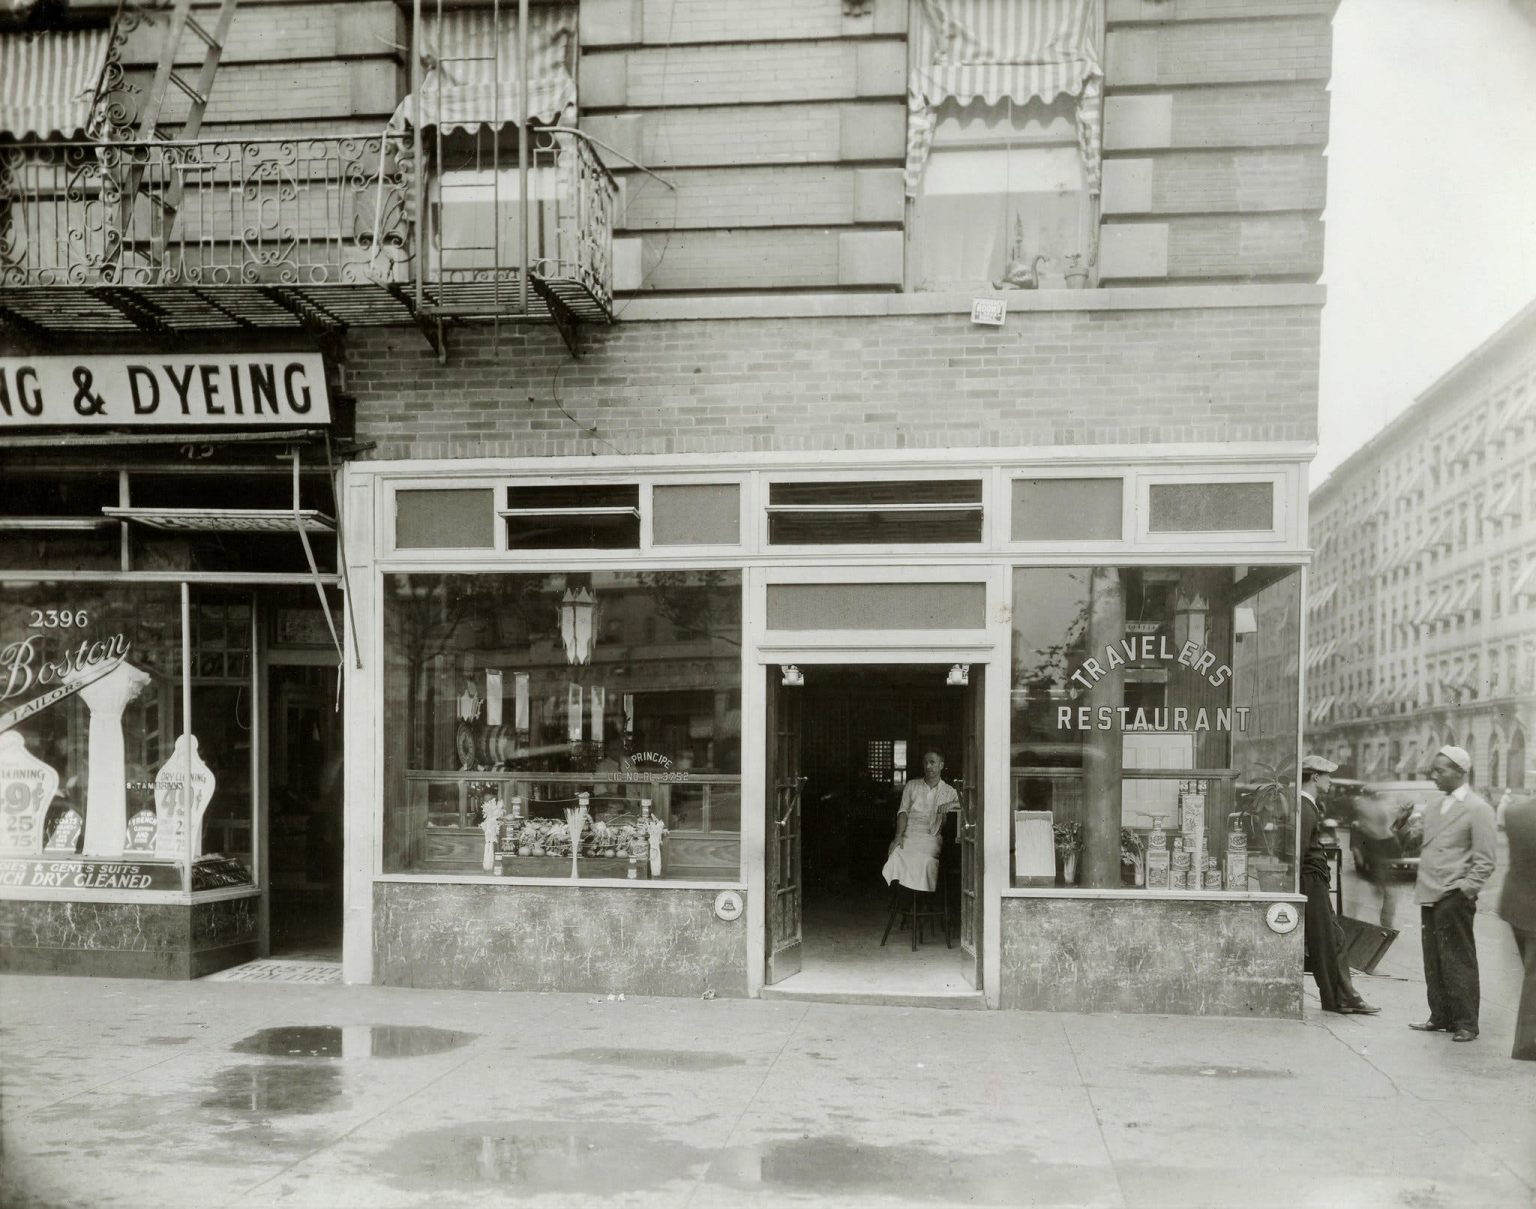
577, 607
1189, 620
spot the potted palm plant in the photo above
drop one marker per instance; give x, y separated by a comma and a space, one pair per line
1269, 821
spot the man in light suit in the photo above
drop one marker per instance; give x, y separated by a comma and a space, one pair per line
1454, 865
1517, 905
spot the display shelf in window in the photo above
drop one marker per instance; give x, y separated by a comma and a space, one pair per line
448, 813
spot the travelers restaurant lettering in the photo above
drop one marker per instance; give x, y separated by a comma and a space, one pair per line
159, 391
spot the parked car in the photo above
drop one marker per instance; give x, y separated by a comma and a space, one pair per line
1401, 804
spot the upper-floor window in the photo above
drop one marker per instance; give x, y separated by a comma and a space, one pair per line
1003, 143
469, 109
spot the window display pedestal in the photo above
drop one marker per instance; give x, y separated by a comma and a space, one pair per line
180, 940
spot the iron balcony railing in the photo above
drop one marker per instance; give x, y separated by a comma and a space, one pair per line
179, 225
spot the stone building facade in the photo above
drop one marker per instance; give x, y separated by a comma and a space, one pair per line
974, 417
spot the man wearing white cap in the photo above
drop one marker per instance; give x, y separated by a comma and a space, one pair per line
1454, 865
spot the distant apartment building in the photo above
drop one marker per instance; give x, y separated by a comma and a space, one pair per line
1422, 600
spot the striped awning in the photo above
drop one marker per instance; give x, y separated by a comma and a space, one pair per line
1323, 653
997, 50
1468, 596
1471, 441
1507, 503
1521, 406
48, 81
1415, 481
471, 59
1439, 536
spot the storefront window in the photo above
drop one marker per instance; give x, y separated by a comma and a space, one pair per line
522, 706
94, 764
1154, 727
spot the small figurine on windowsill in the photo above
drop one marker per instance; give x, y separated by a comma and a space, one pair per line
1020, 276
1021, 273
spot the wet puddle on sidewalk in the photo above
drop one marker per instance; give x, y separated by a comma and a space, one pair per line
274, 1091
308, 1079
603, 1159
351, 1041
650, 1059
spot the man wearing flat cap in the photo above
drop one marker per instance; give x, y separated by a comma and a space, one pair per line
1454, 865
1324, 939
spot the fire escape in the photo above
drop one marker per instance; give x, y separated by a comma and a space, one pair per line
480, 201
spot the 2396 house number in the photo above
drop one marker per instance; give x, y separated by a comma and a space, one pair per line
58, 619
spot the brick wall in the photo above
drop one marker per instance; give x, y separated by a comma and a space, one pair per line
1216, 115
1223, 52
737, 74
1216, 112
282, 32
685, 22
892, 382
338, 62
740, 89
734, 197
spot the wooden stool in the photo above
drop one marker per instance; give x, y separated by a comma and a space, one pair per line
907, 905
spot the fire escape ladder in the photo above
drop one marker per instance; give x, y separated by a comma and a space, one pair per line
180, 23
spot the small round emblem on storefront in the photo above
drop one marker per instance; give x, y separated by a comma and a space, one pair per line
1282, 918
728, 905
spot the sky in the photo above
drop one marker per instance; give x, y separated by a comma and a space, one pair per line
1431, 215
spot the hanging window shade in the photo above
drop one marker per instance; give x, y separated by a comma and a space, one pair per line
48, 81
471, 67
995, 50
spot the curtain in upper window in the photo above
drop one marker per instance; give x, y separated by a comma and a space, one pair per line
994, 50
471, 68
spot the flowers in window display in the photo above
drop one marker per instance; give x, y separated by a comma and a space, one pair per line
622, 836
1068, 838
1133, 852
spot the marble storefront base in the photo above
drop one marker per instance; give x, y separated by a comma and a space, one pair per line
598, 939
126, 939
1126, 954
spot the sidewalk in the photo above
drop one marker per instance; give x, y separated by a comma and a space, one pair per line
164, 1095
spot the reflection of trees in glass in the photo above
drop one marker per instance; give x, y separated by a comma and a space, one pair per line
424, 622
703, 604
1042, 676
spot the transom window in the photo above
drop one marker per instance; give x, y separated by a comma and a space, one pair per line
901, 511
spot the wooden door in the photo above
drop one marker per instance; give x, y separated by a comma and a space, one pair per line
785, 892
969, 829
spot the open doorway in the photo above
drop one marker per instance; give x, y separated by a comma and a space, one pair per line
857, 735
304, 846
